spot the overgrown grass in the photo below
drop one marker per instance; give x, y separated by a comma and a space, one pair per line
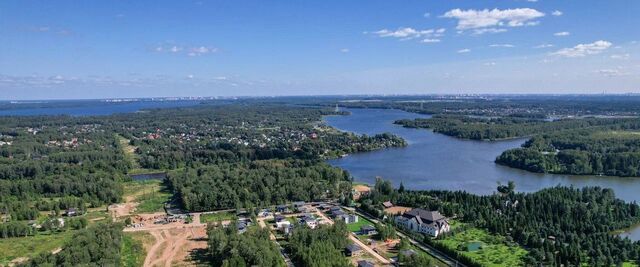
30, 246
494, 251
132, 252
151, 194
217, 217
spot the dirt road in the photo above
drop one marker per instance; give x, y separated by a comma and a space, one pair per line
358, 242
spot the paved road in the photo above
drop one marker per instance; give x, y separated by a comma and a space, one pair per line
426, 248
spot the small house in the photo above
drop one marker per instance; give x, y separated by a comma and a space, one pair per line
337, 213
352, 250
348, 218
387, 204
365, 263
368, 230
279, 218
298, 205
283, 226
283, 209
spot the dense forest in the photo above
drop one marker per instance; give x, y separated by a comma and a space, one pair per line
318, 247
257, 183
502, 128
98, 245
559, 225
515, 106
252, 248
584, 151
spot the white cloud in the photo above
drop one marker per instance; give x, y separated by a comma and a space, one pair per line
490, 64
191, 51
502, 45
344, 50
488, 30
481, 19
562, 34
430, 40
557, 13
408, 33
466, 50
201, 50
620, 56
543, 46
532, 1
220, 78
582, 50
427, 14
190, 76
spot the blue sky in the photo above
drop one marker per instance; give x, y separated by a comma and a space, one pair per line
104, 49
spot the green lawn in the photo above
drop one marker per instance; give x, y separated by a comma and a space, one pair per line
216, 217
355, 227
15, 247
132, 252
493, 252
629, 264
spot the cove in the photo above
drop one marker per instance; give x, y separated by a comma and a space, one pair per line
436, 161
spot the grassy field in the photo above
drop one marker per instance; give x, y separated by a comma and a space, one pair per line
132, 252
151, 194
493, 251
355, 227
12, 248
216, 217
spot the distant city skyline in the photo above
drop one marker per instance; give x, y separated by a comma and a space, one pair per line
113, 49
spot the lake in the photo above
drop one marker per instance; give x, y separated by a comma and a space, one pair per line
89, 107
436, 161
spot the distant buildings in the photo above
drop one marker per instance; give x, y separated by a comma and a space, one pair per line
423, 221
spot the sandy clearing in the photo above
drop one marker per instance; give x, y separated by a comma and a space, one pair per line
396, 209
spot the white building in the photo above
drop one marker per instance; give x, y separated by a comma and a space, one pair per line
423, 221
284, 226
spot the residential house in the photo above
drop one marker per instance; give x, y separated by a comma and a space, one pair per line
283, 226
423, 221
387, 204
352, 250
279, 218
348, 218
368, 230
297, 205
365, 263
283, 209
309, 221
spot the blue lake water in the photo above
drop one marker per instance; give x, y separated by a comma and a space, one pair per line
436, 161
91, 107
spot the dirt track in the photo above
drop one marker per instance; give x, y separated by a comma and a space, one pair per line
175, 246
359, 243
